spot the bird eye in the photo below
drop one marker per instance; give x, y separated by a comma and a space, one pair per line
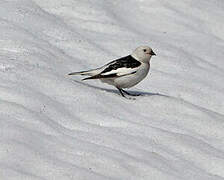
144, 50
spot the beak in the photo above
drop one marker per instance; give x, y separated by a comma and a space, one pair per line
152, 53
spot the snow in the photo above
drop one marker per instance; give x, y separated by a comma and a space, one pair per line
54, 126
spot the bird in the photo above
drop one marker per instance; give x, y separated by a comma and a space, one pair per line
124, 72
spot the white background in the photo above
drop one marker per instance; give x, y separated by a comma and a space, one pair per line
54, 126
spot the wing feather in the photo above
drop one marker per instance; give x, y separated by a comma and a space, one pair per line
117, 68
101, 76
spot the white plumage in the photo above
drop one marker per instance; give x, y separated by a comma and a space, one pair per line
124, 72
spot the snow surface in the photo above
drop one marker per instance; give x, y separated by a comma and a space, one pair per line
54, 126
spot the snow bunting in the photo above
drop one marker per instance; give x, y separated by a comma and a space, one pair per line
124, 72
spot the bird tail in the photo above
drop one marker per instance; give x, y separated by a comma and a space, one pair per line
91, 72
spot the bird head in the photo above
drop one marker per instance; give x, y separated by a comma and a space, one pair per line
143, 54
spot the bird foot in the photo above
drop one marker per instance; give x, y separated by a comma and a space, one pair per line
123, 91
130, 94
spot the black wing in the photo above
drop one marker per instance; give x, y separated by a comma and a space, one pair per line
128, 62
100, 76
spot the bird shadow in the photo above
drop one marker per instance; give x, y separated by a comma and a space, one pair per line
114, 91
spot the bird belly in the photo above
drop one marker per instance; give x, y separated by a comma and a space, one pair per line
109, 81
129, 80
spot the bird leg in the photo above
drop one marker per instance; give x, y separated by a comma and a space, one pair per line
130, 93
123, 91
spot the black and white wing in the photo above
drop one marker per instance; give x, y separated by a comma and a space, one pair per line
117, 68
